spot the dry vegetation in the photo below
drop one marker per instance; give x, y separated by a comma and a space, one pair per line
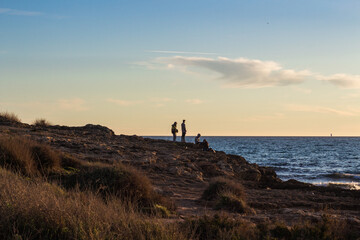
45, 194
9, 117
226, 194
41, 122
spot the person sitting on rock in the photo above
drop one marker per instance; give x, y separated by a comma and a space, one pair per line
197, 139
174, 131
205, 145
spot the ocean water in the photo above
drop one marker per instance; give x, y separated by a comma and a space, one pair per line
316, 160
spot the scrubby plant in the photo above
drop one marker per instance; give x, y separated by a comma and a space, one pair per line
220, 185
27, 157
9, 117
39, 210
41, 122
226, 194
117, 180
219, 227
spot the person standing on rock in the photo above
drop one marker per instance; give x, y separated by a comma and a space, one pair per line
183, 131
174, 131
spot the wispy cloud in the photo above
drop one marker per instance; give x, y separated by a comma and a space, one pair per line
243, 72
9, 11
16, 12
121, 102
180, 52
74, 104
319, 109
343, 80
194, 101
253, 73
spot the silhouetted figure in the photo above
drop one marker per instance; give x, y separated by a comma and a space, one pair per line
197, 139
205, 145
174, 131
183, 131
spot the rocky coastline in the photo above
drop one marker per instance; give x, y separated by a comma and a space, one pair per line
182, 171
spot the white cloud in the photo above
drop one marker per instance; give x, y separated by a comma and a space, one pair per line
342, 80
194, 101
9, 11
123, 102
242, 72
252, 73
74, 104
320, 109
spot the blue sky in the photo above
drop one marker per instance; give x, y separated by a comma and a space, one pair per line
266, 67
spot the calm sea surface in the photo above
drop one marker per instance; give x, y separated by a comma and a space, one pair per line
317, 160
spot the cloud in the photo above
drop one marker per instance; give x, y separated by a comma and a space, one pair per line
251, 73
180, 52
319, 109
243, 72
9, 11
342, 80
75, 104
194, 101
123, 102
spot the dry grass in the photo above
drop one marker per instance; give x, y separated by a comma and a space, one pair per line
226, 194
27, 157
41, 122
9, 117
39, 210
123, 182
220, 185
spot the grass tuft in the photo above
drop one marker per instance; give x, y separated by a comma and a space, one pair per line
27, 157
41, 122
9, 117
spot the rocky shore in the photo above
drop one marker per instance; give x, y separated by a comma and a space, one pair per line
182, 172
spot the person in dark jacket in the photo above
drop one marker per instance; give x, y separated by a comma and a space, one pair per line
174, 131
183, 131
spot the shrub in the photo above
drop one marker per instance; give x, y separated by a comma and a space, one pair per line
9, 117
219, 227
27, 157
39, 210
118, 181
219, 185
41, 122
231, 202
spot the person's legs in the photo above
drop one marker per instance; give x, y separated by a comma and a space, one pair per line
174, 137
183, 137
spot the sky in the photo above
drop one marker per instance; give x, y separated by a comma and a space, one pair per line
230, 67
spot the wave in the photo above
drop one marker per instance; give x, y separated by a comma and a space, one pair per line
343, 176
344, 185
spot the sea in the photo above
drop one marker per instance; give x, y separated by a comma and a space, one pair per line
318, 160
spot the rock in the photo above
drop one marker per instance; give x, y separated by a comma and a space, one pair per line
251, 174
